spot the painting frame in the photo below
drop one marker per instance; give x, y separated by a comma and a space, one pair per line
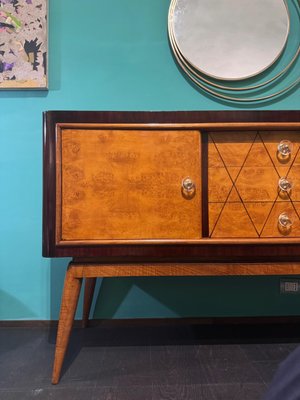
24, 44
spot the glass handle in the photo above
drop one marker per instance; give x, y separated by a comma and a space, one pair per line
285, 185
284, 222
285, 148
188, 186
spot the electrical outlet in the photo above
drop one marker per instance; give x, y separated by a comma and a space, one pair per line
290, 286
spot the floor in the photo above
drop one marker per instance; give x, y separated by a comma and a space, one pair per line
145, 362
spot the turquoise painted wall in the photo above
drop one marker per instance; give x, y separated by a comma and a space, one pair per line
105, 55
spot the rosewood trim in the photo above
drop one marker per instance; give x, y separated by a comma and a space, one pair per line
250, 249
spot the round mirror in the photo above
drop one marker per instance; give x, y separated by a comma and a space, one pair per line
229, 39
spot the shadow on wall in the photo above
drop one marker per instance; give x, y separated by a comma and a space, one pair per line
10, 306
169, 297
58, 267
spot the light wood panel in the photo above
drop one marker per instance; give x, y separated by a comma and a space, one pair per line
259, 212
272, 228
258, 180
294, 177
254, 169
219, 185
227, 154
234, 222
120, 184
233, 147
271, 141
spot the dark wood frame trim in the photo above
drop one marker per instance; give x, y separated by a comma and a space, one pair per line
134, 251
204, 174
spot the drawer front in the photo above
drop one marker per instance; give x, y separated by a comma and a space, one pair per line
254, 184
127, 185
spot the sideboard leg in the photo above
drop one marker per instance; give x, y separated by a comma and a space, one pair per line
89, 289
70, 297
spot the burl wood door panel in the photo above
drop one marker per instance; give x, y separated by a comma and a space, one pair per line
127, 185
244, 196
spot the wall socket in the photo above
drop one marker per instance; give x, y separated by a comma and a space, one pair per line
290, 286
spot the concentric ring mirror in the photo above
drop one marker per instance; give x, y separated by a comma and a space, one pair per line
217, 42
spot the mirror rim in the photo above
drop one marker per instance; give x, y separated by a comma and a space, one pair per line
171, 24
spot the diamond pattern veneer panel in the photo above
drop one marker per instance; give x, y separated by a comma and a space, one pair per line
244, 169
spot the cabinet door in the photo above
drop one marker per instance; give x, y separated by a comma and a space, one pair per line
127, 185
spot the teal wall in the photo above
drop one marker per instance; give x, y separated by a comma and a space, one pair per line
105, 55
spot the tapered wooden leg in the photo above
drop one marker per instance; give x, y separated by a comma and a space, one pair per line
89, 289
67, 312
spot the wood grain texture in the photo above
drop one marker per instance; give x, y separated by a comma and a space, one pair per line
250, 173
127, 184
228, 153
219, 185
257, 184
70, 297
90, 270
214, 212
271, 141
233, 147
272, 228
258, 179
293, 176
258, 213
234, 222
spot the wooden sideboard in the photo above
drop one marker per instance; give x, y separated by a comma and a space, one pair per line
168, 193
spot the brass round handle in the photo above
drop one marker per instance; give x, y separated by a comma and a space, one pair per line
285, 185
284, 222
285, 148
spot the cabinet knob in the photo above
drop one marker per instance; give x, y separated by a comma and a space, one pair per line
188, 187
284, 222
285, 185
285, 148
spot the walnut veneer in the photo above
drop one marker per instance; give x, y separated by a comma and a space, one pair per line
120, 184
244, 169
168, 193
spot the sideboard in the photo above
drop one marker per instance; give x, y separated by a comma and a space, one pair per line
189, 193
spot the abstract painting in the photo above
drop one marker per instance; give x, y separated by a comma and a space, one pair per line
23, 44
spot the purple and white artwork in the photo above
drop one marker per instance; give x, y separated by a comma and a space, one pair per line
23, 44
